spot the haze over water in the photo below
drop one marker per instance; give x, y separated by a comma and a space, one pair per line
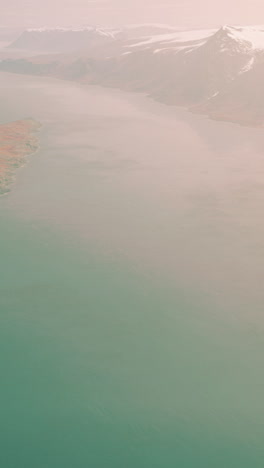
131, 291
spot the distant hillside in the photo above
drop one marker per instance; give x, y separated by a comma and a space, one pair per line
61, 40
218, 73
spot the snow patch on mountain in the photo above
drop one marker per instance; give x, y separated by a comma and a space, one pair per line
248, 66
104, 32
253, 36
227, 39
180, 36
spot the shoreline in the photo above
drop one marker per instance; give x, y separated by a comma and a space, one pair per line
17, 141
195, 109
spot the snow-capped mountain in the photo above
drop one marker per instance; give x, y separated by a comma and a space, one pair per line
69, 39
188, 67
62, 40
217, 72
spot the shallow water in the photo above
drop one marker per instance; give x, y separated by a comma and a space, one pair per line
131, 285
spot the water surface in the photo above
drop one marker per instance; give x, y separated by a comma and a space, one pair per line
131, 285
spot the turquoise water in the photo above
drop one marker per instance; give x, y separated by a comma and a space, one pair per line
98, 368
131, 287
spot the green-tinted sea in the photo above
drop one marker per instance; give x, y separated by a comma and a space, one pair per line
131, 286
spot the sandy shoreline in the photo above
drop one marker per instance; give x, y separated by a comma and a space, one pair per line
17, 141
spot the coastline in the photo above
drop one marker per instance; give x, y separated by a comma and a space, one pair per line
17, 141
196, 109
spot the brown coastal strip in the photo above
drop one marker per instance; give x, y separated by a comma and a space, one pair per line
17, 141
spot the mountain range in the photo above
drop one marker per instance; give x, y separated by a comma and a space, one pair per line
215, 72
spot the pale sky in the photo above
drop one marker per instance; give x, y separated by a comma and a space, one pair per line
197, 13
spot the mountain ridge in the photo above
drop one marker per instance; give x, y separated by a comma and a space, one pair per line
217, 72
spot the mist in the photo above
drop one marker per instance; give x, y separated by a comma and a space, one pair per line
186, 13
